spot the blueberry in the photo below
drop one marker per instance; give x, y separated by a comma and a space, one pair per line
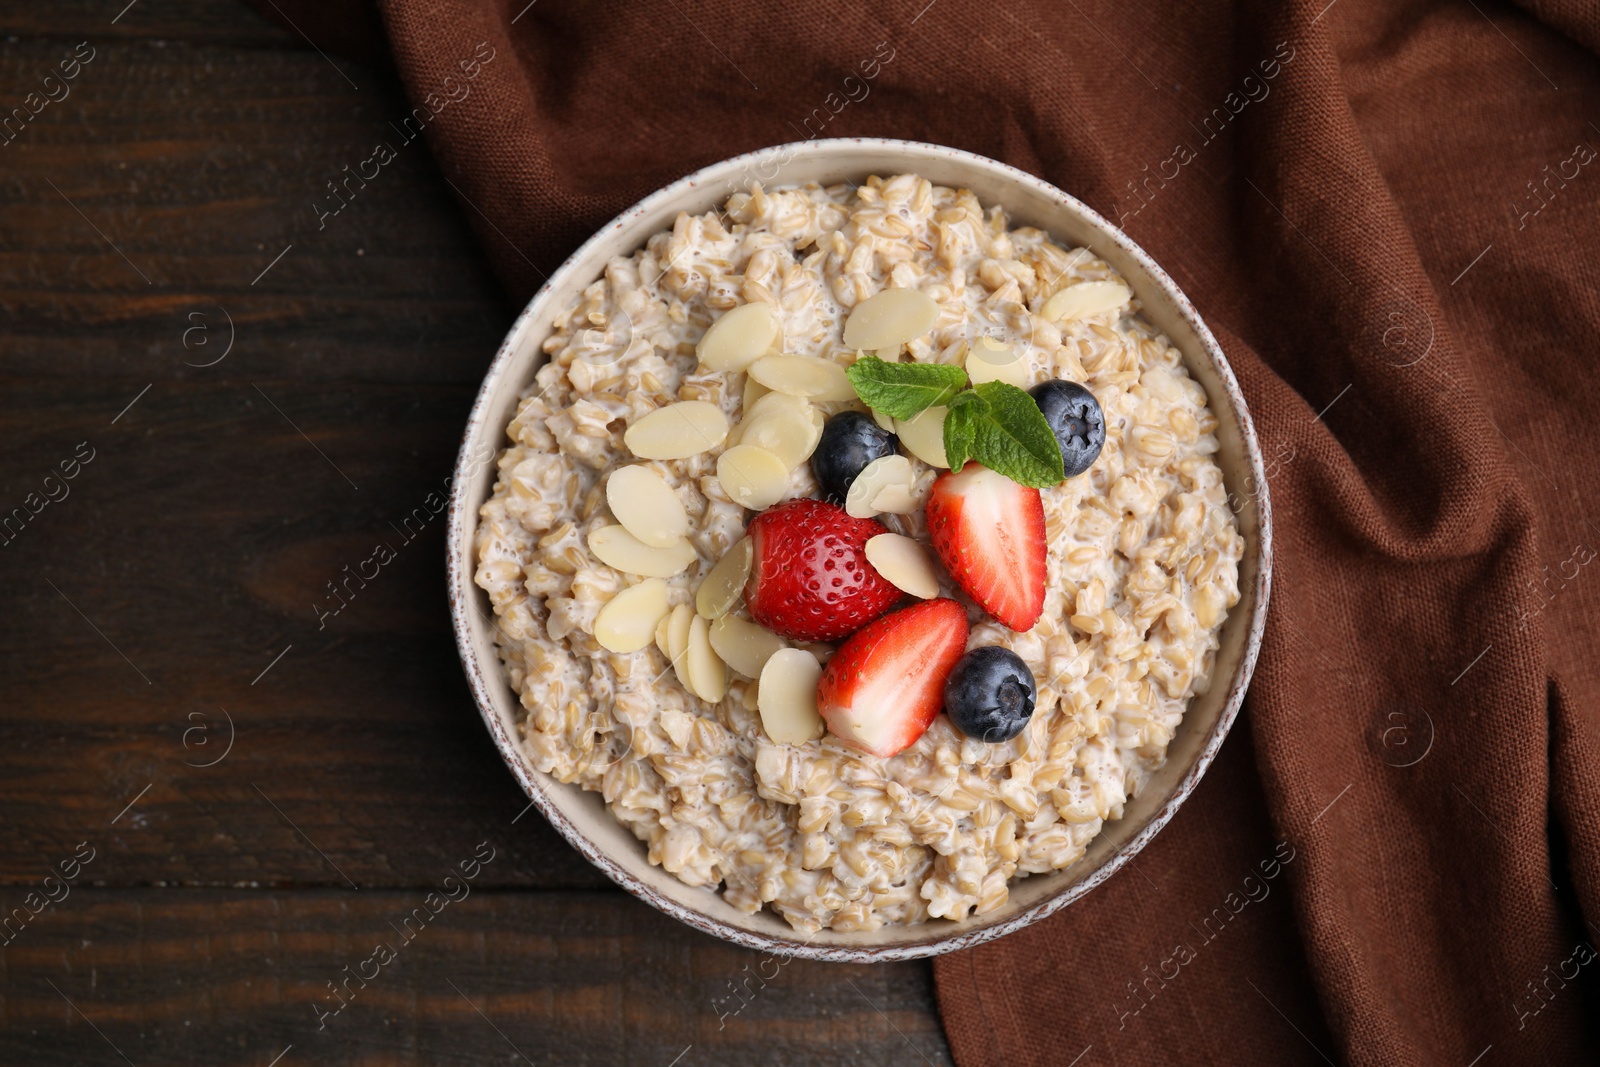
1074, 414
990, 694
850, 441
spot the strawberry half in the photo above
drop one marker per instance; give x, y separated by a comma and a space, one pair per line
809, 575
989, 531
884, 686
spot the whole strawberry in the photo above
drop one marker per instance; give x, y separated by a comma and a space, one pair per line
809, 575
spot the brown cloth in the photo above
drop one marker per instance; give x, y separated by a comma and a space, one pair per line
1386, 210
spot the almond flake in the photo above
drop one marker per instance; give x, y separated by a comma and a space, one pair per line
882, 473
627, 622
678, 641
904, 563
739, 338
788, 431
616, 547
890, 319
770, 401
1085, 299
708, 678
722, 587
767, 403
661, 635
646, 506
787, 697
896, 499
990, 361
677, 431
743, 645
753, 391
807, 376
752, 477
923, 435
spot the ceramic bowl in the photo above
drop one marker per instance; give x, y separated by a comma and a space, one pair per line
581, 817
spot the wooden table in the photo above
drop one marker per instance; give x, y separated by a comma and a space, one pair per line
245, 803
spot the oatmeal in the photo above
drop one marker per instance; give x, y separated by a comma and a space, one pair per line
644, 451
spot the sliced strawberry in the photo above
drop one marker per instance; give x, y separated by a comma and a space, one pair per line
989, 531
809, 574
884, 686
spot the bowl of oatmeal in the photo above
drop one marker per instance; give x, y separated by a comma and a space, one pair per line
859, 549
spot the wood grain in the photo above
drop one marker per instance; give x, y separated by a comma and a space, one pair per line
210, 21
234, 978
150, 608
196, 545
171, 588
169, 183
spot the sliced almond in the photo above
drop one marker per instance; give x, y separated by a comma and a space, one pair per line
677, 431
616, 547
708, 678
771, 401
646, 506
752, 476
807, 376
661, 635
923, 435
767, 403
739, 338
905, 563
678, 642
723, 587
743, 645
787, 697
1085, 299
990, 350
875, 477
885, 422
627, 622
890, 319
818, 420
753, 391
788, 431
989, 360
898, 498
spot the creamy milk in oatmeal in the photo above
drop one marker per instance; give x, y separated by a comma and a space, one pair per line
1141, 567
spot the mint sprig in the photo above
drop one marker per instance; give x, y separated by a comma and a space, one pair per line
904, 390
996, 424
961, 428
1002, 428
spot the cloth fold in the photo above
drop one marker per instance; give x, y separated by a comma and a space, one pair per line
1386, 211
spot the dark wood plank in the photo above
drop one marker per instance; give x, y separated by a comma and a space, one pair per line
140, 214
137, 217
211, 21
150, 602
198, 539
235, 977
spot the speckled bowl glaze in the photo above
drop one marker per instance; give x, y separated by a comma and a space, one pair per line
582, 818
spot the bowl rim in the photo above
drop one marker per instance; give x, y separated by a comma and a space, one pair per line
462, 525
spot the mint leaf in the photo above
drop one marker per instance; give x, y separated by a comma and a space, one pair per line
904, 390
960, 426
996, 424
1010, 436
